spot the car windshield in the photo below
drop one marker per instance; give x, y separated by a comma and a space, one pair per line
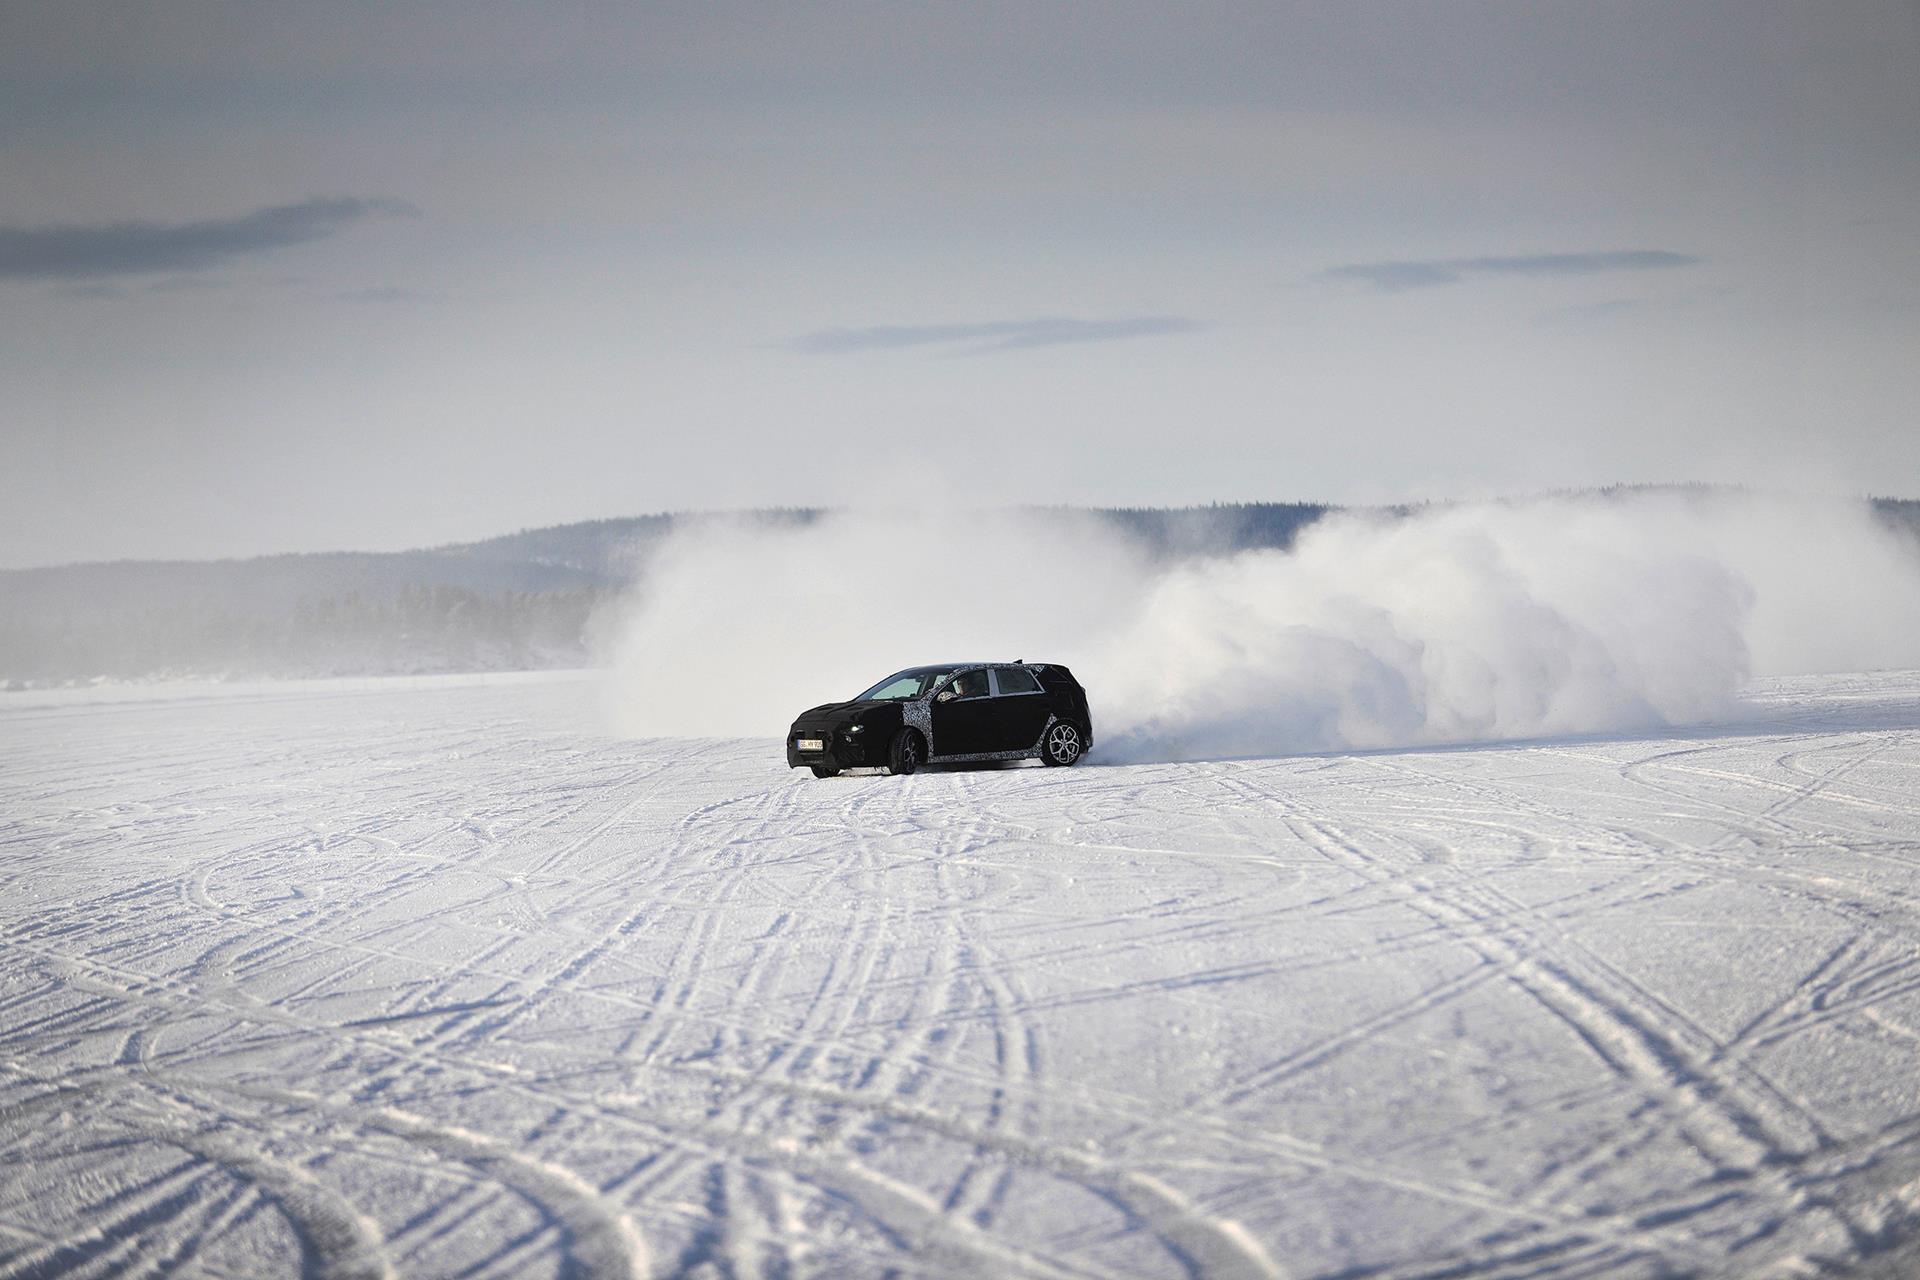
904, 685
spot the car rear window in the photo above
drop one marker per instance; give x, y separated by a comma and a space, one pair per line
1015, 680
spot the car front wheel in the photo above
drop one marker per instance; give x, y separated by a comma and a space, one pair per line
1063, 745
825, 771
903, 753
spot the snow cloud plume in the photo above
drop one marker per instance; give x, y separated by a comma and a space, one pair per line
1459, 623
735, 625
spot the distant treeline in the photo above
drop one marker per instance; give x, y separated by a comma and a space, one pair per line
412, 630
522, 601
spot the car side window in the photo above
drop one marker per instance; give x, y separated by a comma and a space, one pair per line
969, 684
1009, 680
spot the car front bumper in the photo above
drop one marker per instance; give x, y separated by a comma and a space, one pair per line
839, 748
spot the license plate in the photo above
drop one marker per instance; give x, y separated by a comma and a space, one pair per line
811, 744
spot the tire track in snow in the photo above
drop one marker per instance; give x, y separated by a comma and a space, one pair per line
1756, 1096
1656, 1220
604, 1242
339, 1242
1621, 1232
1202, 1243
748, 1217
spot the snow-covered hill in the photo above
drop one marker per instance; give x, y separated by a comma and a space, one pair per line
435, 979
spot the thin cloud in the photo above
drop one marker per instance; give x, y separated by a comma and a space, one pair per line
1398, 277
185, 284
992, 335
171, 285
386, 295
1588, 312
142, 248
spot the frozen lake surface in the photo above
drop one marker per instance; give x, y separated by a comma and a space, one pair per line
431, 978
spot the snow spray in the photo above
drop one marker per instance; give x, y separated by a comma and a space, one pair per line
1453, 623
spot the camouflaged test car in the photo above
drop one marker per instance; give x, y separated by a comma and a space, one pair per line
957, 712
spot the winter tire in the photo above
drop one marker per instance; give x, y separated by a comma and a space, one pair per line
903, 753
825, 771
1063, 743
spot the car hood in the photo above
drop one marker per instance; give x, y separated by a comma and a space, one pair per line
835, 712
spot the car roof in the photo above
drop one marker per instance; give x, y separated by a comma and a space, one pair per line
944, 667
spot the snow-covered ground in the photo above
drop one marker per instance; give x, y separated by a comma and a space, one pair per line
434, 979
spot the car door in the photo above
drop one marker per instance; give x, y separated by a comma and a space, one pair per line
1020, 708
963, 715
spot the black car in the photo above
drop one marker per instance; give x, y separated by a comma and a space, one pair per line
953, 713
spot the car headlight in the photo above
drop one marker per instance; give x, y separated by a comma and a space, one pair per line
855, 728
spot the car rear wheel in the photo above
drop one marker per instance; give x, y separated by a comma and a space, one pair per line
825, 771
903, 753
1063, 745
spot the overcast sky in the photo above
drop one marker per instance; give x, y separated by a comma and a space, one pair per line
297, 276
